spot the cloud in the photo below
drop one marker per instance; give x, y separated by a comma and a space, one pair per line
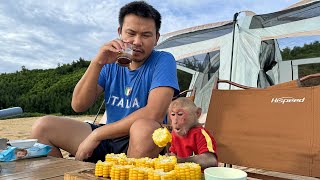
43, 34
179, 14
40, 34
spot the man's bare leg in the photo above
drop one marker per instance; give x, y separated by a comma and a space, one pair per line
141, 143
60, 132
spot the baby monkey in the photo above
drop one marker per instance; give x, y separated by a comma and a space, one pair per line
191, 142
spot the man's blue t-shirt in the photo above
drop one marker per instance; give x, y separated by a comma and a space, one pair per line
127, 90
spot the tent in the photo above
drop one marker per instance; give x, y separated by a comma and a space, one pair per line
244, 50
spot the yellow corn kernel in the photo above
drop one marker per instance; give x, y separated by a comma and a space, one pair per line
119, 172
161, 137
131, 161
126, 161
144, 162
102, 169
139, 173
114, 157
98, 169
167, 163
188, 171
159, 174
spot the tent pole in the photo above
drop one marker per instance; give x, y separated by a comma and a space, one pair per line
235, 16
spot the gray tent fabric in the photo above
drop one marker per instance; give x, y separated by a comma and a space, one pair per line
286, 16
267, 62
211, 63
195, 36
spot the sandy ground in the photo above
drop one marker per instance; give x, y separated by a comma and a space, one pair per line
20, 128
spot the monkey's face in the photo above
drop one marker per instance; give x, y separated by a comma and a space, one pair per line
182, 120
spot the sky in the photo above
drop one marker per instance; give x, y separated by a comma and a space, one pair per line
40, 34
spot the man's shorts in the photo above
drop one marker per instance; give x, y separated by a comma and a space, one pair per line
117, 146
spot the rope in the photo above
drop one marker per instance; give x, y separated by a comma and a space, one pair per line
98, 111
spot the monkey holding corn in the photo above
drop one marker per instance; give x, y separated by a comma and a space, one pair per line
191, 142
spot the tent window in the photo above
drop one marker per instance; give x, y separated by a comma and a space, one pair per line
302, 47
300, 57
207, 64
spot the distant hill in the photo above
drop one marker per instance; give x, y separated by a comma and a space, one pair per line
311, 50
44, 91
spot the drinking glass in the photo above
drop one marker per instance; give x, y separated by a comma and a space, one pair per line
124, 56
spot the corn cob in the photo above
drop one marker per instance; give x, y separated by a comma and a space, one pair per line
114, 157
144, 162
126, 161
120, 172
188, 171
103, 169
139, 173
159, 174
161, 137
166, 168
167, 163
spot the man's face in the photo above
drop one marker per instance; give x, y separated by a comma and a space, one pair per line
141, 32
182, 120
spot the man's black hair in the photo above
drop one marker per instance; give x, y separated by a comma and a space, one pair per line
142, 9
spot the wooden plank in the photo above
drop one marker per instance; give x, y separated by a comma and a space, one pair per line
55, 178
41, 168
43, 174
271, 175
82, 174
16, 169
59, 172
20, 166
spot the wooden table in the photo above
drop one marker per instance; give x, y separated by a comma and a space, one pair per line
55, 168
41, 168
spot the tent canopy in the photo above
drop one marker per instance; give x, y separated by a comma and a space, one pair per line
252, 39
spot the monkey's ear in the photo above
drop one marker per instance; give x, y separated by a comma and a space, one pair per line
199, 110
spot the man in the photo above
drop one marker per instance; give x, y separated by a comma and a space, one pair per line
190, 141
137, 96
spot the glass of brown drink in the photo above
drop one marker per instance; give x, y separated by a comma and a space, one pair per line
124, 56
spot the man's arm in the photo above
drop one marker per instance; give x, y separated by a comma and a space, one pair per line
206, 157
155, 110
87, 89
205, 160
